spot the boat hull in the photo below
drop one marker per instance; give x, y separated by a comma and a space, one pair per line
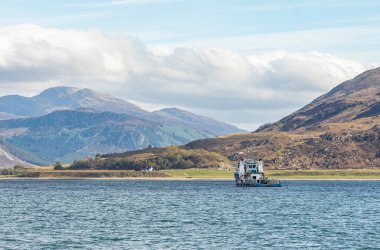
258, 185
248, 181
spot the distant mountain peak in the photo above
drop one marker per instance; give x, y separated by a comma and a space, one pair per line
59, 90
65, 98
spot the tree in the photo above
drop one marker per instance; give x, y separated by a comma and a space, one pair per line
58, 166
18, 167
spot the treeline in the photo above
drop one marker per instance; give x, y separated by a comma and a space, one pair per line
18, 171
168, 158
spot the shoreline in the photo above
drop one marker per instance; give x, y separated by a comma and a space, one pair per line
193, 174
177, 179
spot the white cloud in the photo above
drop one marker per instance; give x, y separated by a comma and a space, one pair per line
201, 79
358, 42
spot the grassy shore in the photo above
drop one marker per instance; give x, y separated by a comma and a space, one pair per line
280, 174
48, 172
199, 173
326, 174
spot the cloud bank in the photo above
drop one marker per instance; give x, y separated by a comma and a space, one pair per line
226, 85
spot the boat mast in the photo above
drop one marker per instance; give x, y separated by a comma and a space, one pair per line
250, 153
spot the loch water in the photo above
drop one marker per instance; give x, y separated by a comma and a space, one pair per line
142, 214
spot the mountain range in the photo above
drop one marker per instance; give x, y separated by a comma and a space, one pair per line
65, 124
340, 129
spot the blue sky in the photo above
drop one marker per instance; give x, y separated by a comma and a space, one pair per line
273, 36
180, 21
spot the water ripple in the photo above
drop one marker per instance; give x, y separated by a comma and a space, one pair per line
89, 214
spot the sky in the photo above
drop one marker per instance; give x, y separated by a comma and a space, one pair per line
239, 61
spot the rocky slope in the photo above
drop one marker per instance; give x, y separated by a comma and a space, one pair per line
351, 100
336, 145
8, 160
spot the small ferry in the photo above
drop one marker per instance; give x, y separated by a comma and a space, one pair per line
250, 173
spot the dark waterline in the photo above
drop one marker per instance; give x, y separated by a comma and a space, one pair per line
62, 214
